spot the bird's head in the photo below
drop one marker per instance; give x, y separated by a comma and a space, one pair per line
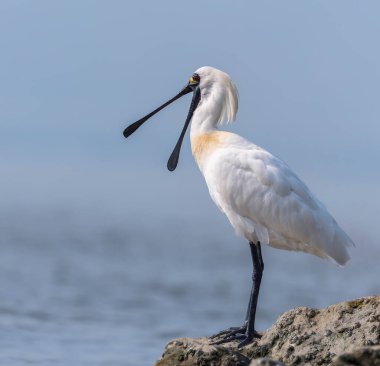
206, 84
217, 86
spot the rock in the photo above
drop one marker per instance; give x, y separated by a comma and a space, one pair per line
364, 356
190, 352
265, 362
343, 334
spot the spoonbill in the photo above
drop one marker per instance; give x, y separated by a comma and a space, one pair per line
265, 202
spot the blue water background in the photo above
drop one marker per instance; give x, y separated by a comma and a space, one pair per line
87, 288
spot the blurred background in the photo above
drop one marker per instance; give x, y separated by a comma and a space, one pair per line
105, 255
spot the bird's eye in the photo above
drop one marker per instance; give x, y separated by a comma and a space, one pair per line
196, 77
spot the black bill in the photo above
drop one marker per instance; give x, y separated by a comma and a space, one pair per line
134, 126
173, 160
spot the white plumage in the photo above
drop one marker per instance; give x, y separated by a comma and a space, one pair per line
261, 196
263, 199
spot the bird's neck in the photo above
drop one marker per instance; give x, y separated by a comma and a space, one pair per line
205, 118
205, 137
203, 121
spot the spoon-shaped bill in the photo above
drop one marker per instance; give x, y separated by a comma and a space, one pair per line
173, 160
134, 126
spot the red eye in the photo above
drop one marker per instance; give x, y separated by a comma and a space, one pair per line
196, 77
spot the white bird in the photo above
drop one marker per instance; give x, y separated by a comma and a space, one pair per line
265, 202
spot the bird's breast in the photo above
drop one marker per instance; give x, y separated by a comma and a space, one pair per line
203, 145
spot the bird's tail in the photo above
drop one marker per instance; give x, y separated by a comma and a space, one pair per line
338, 251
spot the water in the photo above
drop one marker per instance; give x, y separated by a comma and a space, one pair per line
85, 288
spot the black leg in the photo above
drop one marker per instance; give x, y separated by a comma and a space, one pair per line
257, 274
257, 261
247, 332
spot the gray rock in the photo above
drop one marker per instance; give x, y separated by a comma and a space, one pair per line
199, 352
347, 333
364, 356
265, 362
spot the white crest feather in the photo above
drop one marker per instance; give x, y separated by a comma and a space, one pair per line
230, 105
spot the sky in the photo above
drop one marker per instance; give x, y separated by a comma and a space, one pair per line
74, 74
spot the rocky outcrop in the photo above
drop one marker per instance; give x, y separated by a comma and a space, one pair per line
361, 357
343, 334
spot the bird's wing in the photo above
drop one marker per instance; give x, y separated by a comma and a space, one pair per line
259, 187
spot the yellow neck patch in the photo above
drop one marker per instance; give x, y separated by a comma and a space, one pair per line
204, 144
